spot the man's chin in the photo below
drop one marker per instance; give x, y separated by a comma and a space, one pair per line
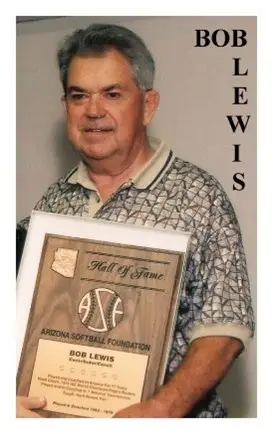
88, 155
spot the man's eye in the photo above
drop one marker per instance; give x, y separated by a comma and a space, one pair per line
77, 96
113, 95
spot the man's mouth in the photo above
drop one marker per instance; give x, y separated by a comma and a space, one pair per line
96, 130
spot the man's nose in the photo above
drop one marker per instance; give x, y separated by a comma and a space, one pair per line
94, 108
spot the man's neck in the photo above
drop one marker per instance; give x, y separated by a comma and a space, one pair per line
108, 176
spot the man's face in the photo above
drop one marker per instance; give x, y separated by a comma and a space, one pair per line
106, 112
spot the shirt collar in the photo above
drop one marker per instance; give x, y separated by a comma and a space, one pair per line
148, 176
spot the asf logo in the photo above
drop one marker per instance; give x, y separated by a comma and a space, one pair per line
100, 310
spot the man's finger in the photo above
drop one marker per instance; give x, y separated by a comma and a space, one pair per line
33, 402
31, 414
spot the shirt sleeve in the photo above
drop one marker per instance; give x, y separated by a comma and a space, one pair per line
226, 306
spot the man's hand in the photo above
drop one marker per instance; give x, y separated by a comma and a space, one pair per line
149, 409
25, 405
203, 367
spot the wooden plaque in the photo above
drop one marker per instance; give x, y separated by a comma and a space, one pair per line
100, 321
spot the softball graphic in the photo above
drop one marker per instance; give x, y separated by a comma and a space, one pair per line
100, 310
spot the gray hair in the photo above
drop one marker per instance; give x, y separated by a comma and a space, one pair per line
97, 39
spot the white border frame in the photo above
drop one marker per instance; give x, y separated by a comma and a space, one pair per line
42, 223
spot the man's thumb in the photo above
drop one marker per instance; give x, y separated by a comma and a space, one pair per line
34, 402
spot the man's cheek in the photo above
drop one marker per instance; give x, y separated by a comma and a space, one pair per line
73, 133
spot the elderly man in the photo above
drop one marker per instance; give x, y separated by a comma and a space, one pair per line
125, 176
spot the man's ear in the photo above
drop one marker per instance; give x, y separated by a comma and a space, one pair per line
151, 101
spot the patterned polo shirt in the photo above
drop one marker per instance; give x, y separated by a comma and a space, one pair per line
177, 195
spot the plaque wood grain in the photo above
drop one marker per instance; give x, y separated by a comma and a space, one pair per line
137, 289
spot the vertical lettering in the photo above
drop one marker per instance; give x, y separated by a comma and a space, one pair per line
239, 95
237, 67
236, 154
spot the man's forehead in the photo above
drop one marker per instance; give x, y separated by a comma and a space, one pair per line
108, 87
